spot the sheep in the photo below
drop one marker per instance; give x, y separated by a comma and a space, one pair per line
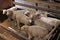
34, 31
43, 20
47, 22
19, 17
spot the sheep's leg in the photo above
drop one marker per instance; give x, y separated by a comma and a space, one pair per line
9, 20
15, 23
29, 36
18, 24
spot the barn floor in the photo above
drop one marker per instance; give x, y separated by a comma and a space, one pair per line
7, 24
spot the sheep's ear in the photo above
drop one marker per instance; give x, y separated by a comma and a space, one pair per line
26, 12
4, 11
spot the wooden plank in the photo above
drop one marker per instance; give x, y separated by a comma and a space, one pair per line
45, 2
14, 33
35, 7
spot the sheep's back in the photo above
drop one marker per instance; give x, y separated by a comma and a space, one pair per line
37, 31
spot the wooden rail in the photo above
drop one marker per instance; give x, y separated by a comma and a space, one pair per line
45, 2
14, 33
35, 7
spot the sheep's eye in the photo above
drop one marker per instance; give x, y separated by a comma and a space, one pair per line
27, 14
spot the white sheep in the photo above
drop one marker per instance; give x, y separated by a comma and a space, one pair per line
34, 31
19, 17
43, 20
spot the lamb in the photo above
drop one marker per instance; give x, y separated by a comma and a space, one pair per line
34, 31
47, 22
51, 21
19, 17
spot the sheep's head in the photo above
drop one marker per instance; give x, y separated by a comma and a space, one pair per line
36, 16
44, 14
9, 14
27, 13
30, 12
24, 28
